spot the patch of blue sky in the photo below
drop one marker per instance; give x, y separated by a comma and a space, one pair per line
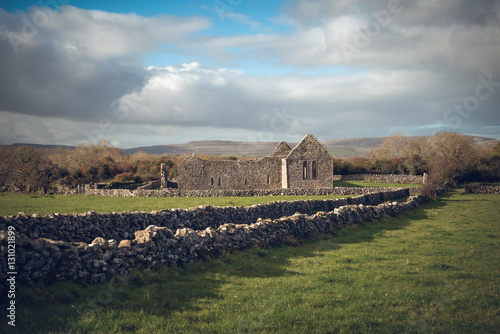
273, 68
14, 5
241, 62
143, 8
238, 17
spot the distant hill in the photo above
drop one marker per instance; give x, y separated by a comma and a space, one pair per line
352, 147
43, 146
341, 148
211, 147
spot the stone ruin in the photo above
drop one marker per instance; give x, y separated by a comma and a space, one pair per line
307, 166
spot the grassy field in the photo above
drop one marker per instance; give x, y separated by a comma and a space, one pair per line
435, 269
13, 203
341, 152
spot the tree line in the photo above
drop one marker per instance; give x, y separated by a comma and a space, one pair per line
28, 169
449, 158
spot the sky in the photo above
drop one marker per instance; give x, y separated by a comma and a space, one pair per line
140, 73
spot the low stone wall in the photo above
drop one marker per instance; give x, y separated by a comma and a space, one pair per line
482, 189
87, 226
383, 178
49, 260
65, 191
239, 193
151, 185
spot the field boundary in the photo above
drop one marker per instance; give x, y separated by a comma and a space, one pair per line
240, 193
382, 178
48, 260
482, 189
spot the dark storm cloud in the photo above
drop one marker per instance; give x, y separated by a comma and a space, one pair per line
418, 11
74, 63
413, 65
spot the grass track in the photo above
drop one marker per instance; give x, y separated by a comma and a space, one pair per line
12, 203
435, 269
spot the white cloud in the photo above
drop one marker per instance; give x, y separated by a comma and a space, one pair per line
243, 19
78, 62
82, 70
104, 35
425, 35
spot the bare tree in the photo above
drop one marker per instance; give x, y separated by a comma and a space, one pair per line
392, 147
449, 157
26, 169
5, 154
414, 156
457, 149
84, 154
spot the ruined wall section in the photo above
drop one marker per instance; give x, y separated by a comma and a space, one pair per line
282, 150
199, 174
309, 165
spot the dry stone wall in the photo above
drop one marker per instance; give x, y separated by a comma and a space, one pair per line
482, 189
87, 226
383, 178
49, 260
240, 193
151, 185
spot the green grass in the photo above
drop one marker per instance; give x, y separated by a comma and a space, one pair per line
360, 184
435, 269
13, 203
343, 152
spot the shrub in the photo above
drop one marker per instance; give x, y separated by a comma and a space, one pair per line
104, 172
122, 167
123, 177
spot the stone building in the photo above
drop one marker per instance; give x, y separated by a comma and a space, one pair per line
307, 166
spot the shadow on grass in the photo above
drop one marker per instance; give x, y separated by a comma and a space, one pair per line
169, 291
368, 231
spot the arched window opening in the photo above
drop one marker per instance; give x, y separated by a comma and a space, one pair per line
245, 181
314, 170
212, 181
219, 181
304, 170
268, 179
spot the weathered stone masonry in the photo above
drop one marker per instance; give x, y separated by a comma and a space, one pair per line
239, 192
482, 189
87, 226
307, 166
195, 173
384, 178
43, 254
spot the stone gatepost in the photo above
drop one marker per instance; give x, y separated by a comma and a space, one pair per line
163, 176
425, 178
